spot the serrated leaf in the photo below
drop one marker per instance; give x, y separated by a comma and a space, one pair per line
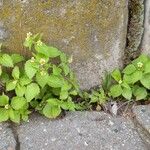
20, 90
42, 79
6, 61
47, 50
17, 58
147, 67
32, 91
18, 102
4, 77
127, 93
14, 115
24, 80
129, 69
133, 78
116, 74
142, 58
56, 70
63, 58
16, 72
68, 105
4, 114
11, 85
51, 111
53, 101
139, 92
65, 68
30, 70
64, 95
4, 100
116, 90
55, 81
146, 80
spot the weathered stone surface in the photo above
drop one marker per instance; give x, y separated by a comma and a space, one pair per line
80, 130
146, 39
93, 31
143, 116
7, 140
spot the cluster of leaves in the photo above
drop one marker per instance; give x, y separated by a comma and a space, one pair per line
132, 83
39, 84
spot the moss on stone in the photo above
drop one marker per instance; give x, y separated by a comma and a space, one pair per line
66, 25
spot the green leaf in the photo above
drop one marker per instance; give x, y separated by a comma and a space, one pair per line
55, 81
1, 70
68, 105
29, 69
116, 75
65, 68
133, 78
51, 111
4, 77
146, 80
18, 102
64, 95
6, 60
129, 69
139, 92
20, 90
32, 91
127, 93
56, 70
42, 79
28, 42
147, 67
116, 90
11, 85
63, 58
4, 100
14, 115
4, 114
47, 50
17, 58
24, 80
53, 101
142, 58
16, 72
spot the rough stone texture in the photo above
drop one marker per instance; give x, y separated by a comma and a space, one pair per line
146, 39
80, 130
93, 31
7, 140
143, 116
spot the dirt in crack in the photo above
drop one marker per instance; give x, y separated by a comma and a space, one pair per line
13, 128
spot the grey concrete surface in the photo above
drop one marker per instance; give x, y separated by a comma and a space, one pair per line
80, 131
7, 140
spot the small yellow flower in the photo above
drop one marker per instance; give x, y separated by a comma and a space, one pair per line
42, 61
39, 43
29, 34
120, 81
32, 59
43, 73
70, 60
15, 81
6, 106
140, 64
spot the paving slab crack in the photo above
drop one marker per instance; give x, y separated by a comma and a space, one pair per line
143, 133
13, 128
